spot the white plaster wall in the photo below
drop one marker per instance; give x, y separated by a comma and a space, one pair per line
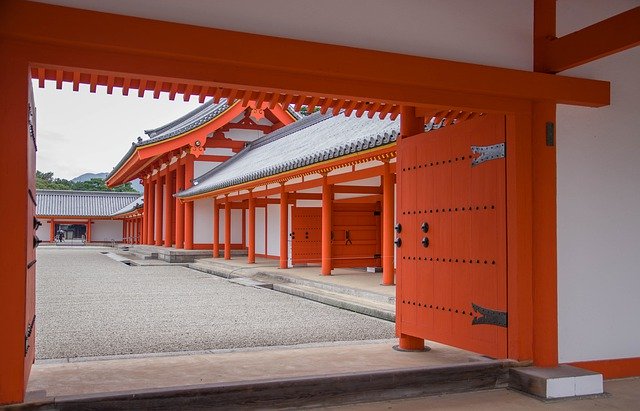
43, 231
203, 221
598, 152
308, 203
236, 226
106, 230
244, 135
201, 167
273, 229
260, 230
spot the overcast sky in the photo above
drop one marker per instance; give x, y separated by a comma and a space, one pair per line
82, 132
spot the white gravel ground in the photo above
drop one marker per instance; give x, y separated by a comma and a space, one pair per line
90, 305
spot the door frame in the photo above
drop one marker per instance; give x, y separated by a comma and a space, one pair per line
44, 35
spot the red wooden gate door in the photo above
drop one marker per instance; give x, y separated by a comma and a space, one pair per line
306, 235
32, 242
452, 271
356, 235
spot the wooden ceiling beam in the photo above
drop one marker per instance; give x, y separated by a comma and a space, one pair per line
217, 95
373, 109
312, 104
349, 109
186, 95
57, 37
173, 90
260, 99
299, 102
246, 97
204, 92
361, 108
93, 82
328, 102
275, 99
609, 36
110, 82
339, 105
126, 84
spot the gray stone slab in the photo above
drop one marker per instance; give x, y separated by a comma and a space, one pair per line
556, 382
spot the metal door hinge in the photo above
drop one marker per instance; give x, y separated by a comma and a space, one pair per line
487, 153
489, 316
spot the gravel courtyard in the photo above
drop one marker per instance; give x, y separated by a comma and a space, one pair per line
90, 305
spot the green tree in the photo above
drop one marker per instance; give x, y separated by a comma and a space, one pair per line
47, 181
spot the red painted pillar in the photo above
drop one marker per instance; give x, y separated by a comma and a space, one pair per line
52, 230
145, 201
545, 286
188, 207
284, 227
216, 229
327, 210
179, 206
168, 209
151, 212
125, 226
89, 231
251, 255
227, 229
158, 210
388, 214
410, 125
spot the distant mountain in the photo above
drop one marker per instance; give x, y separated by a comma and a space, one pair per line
88, 176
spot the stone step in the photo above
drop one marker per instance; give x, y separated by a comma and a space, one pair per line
564, 381
298, 392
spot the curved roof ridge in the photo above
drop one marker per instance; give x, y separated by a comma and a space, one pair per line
155, 131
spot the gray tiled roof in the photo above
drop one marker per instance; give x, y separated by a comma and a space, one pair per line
193, 119
81, 203
132, 206
311, 140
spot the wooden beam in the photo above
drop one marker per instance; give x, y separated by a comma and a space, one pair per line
374, 198
156, 89
357, 189
213, 158
305, 185
173, 90
599, 40
217, 95
58, 36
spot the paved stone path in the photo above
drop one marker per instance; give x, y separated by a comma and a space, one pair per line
90, 305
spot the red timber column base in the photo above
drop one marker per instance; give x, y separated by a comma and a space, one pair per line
410, 343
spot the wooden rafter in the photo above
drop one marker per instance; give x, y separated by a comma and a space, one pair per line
598, 40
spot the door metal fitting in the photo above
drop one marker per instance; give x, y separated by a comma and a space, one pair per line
489, 316
487, 153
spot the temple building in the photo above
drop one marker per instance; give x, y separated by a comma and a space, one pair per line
82, 215
318, 191
516, 231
